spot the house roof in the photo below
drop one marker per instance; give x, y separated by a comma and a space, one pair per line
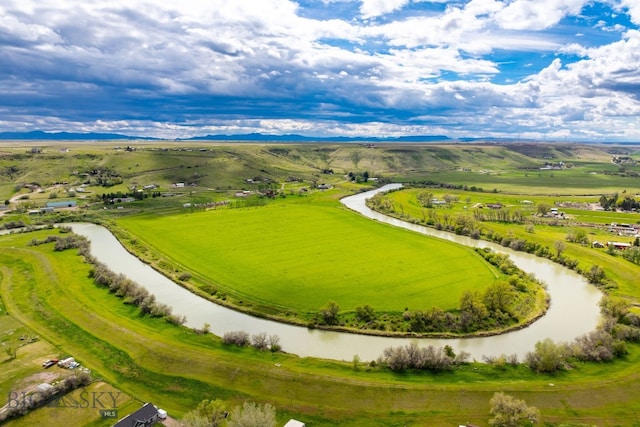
61, 204
145, 416
294, 423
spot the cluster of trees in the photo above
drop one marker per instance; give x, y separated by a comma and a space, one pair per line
604, 344
259, 341
132, 293
21, 404
212, 413
597, 346
10, 225
613, 203
105, 177
358, 177
111, 198
632, 254
62, 243
430, 358
208, 413
516, 216
578, 236
436, 184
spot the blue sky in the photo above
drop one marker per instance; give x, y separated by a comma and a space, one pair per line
539, 69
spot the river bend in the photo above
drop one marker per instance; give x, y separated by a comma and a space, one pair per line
573, 312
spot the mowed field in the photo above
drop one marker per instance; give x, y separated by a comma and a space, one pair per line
298, 255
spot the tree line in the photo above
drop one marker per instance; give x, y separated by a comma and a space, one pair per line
118, 284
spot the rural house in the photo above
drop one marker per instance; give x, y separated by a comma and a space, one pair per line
143, 417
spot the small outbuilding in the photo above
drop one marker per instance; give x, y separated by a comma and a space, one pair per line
44, 387
62, 204
294, 423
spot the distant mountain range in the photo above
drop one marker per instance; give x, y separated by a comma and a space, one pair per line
257, 137
39, 135
70, 136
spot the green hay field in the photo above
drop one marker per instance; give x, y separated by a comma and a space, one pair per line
297, 255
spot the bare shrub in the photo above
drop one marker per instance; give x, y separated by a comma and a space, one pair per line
259, 341
239, 338
274, 343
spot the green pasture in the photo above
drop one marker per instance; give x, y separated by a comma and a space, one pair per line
298, 253
465, 202
175, 368
545, 231
574, 181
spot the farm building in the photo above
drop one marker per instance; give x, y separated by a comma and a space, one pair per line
66, 363
62, 204
597, 244
143, 417
619, 245
294, 423
623, 229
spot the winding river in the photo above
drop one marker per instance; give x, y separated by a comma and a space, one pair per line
573, 312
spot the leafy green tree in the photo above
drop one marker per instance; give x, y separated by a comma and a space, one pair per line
209, 413
547, 356
614, 307
252, 415
596, 275
473, 308
365, 313
192, 419
578, 236
633, 253
330, 313
425, 199
498, 297
508, 411
543, 208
